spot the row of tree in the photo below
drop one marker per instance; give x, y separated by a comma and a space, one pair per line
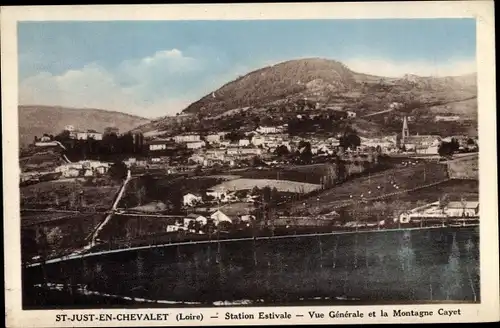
110, 146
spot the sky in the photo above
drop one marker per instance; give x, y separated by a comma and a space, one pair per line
157, 68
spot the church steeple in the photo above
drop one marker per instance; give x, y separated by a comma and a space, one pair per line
406, 132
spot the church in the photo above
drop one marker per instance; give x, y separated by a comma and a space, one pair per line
420, 144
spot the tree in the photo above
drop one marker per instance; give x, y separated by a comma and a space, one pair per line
281, 151
341, 170
241, 194
140, 195
448, 148
198, 170
350, 140
305, 153
256, 161
118, 171
62, 137
255, 191
192, 225
443, 202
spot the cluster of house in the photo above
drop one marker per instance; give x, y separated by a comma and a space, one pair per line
84, 135
83, 168
193, 221
76, 134
219, 195
436, 210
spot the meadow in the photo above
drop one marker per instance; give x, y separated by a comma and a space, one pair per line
68, 194
371, 186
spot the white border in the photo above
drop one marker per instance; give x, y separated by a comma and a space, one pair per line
488, 310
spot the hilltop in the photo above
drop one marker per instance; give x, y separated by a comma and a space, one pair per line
330, 82
37, 120
275, 94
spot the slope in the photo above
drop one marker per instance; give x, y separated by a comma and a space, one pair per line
37, 120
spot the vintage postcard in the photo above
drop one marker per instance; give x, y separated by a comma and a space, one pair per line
170, 165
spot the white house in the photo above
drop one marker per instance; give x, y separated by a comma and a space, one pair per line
243, 142
258, 140
195, 144
428, 150
453, 118
196, 218
218, 217
213, 138
186, 138
190, 199
269, 129
247, 218
174, 228
82, 135
217, 193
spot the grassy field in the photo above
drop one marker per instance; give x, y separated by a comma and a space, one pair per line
165, 189
304, 173
369, 186
123, 229
68, 195
388, 208
40, 159
62, 235
281, 185
467, 168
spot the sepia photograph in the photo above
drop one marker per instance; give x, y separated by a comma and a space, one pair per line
248, 162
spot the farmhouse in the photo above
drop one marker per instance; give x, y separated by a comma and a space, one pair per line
258, 140
195, 144
213, 138
218, 193
243, 142
218, 217
197, 218
84, 135
191, 199
193, 217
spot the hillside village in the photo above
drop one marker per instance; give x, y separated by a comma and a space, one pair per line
322, 155
235, 203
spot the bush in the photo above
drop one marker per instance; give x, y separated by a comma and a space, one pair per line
118, 171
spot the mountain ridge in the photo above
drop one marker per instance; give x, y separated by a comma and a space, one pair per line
330, 83
35, 120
